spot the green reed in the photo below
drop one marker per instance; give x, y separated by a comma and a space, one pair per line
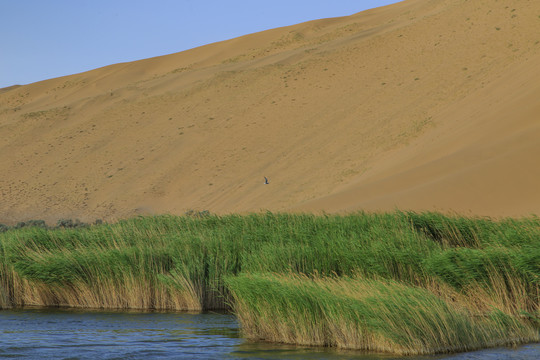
383, 316
181, 262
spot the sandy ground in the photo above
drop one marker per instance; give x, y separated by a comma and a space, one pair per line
421, 105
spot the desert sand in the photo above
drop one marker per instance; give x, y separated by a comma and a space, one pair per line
420, 105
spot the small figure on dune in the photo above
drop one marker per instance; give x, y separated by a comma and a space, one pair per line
266, 181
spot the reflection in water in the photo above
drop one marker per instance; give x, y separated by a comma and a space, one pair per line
77, 334
269, 351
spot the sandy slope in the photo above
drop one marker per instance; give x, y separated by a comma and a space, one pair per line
425, 104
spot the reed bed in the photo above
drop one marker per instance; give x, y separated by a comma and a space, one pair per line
191, 262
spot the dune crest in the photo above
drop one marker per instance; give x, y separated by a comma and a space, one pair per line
422, 105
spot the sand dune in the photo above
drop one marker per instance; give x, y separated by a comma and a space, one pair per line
422, 105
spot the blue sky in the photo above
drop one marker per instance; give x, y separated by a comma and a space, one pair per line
42, 39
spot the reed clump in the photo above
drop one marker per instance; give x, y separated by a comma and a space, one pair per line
375, 315
474, 266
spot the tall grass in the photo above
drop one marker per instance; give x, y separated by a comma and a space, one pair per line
383, 316
180, 263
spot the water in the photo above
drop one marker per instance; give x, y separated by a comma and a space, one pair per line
71, 334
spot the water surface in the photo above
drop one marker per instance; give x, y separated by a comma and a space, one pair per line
77, 334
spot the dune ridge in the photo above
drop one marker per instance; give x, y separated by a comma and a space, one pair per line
421, 105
